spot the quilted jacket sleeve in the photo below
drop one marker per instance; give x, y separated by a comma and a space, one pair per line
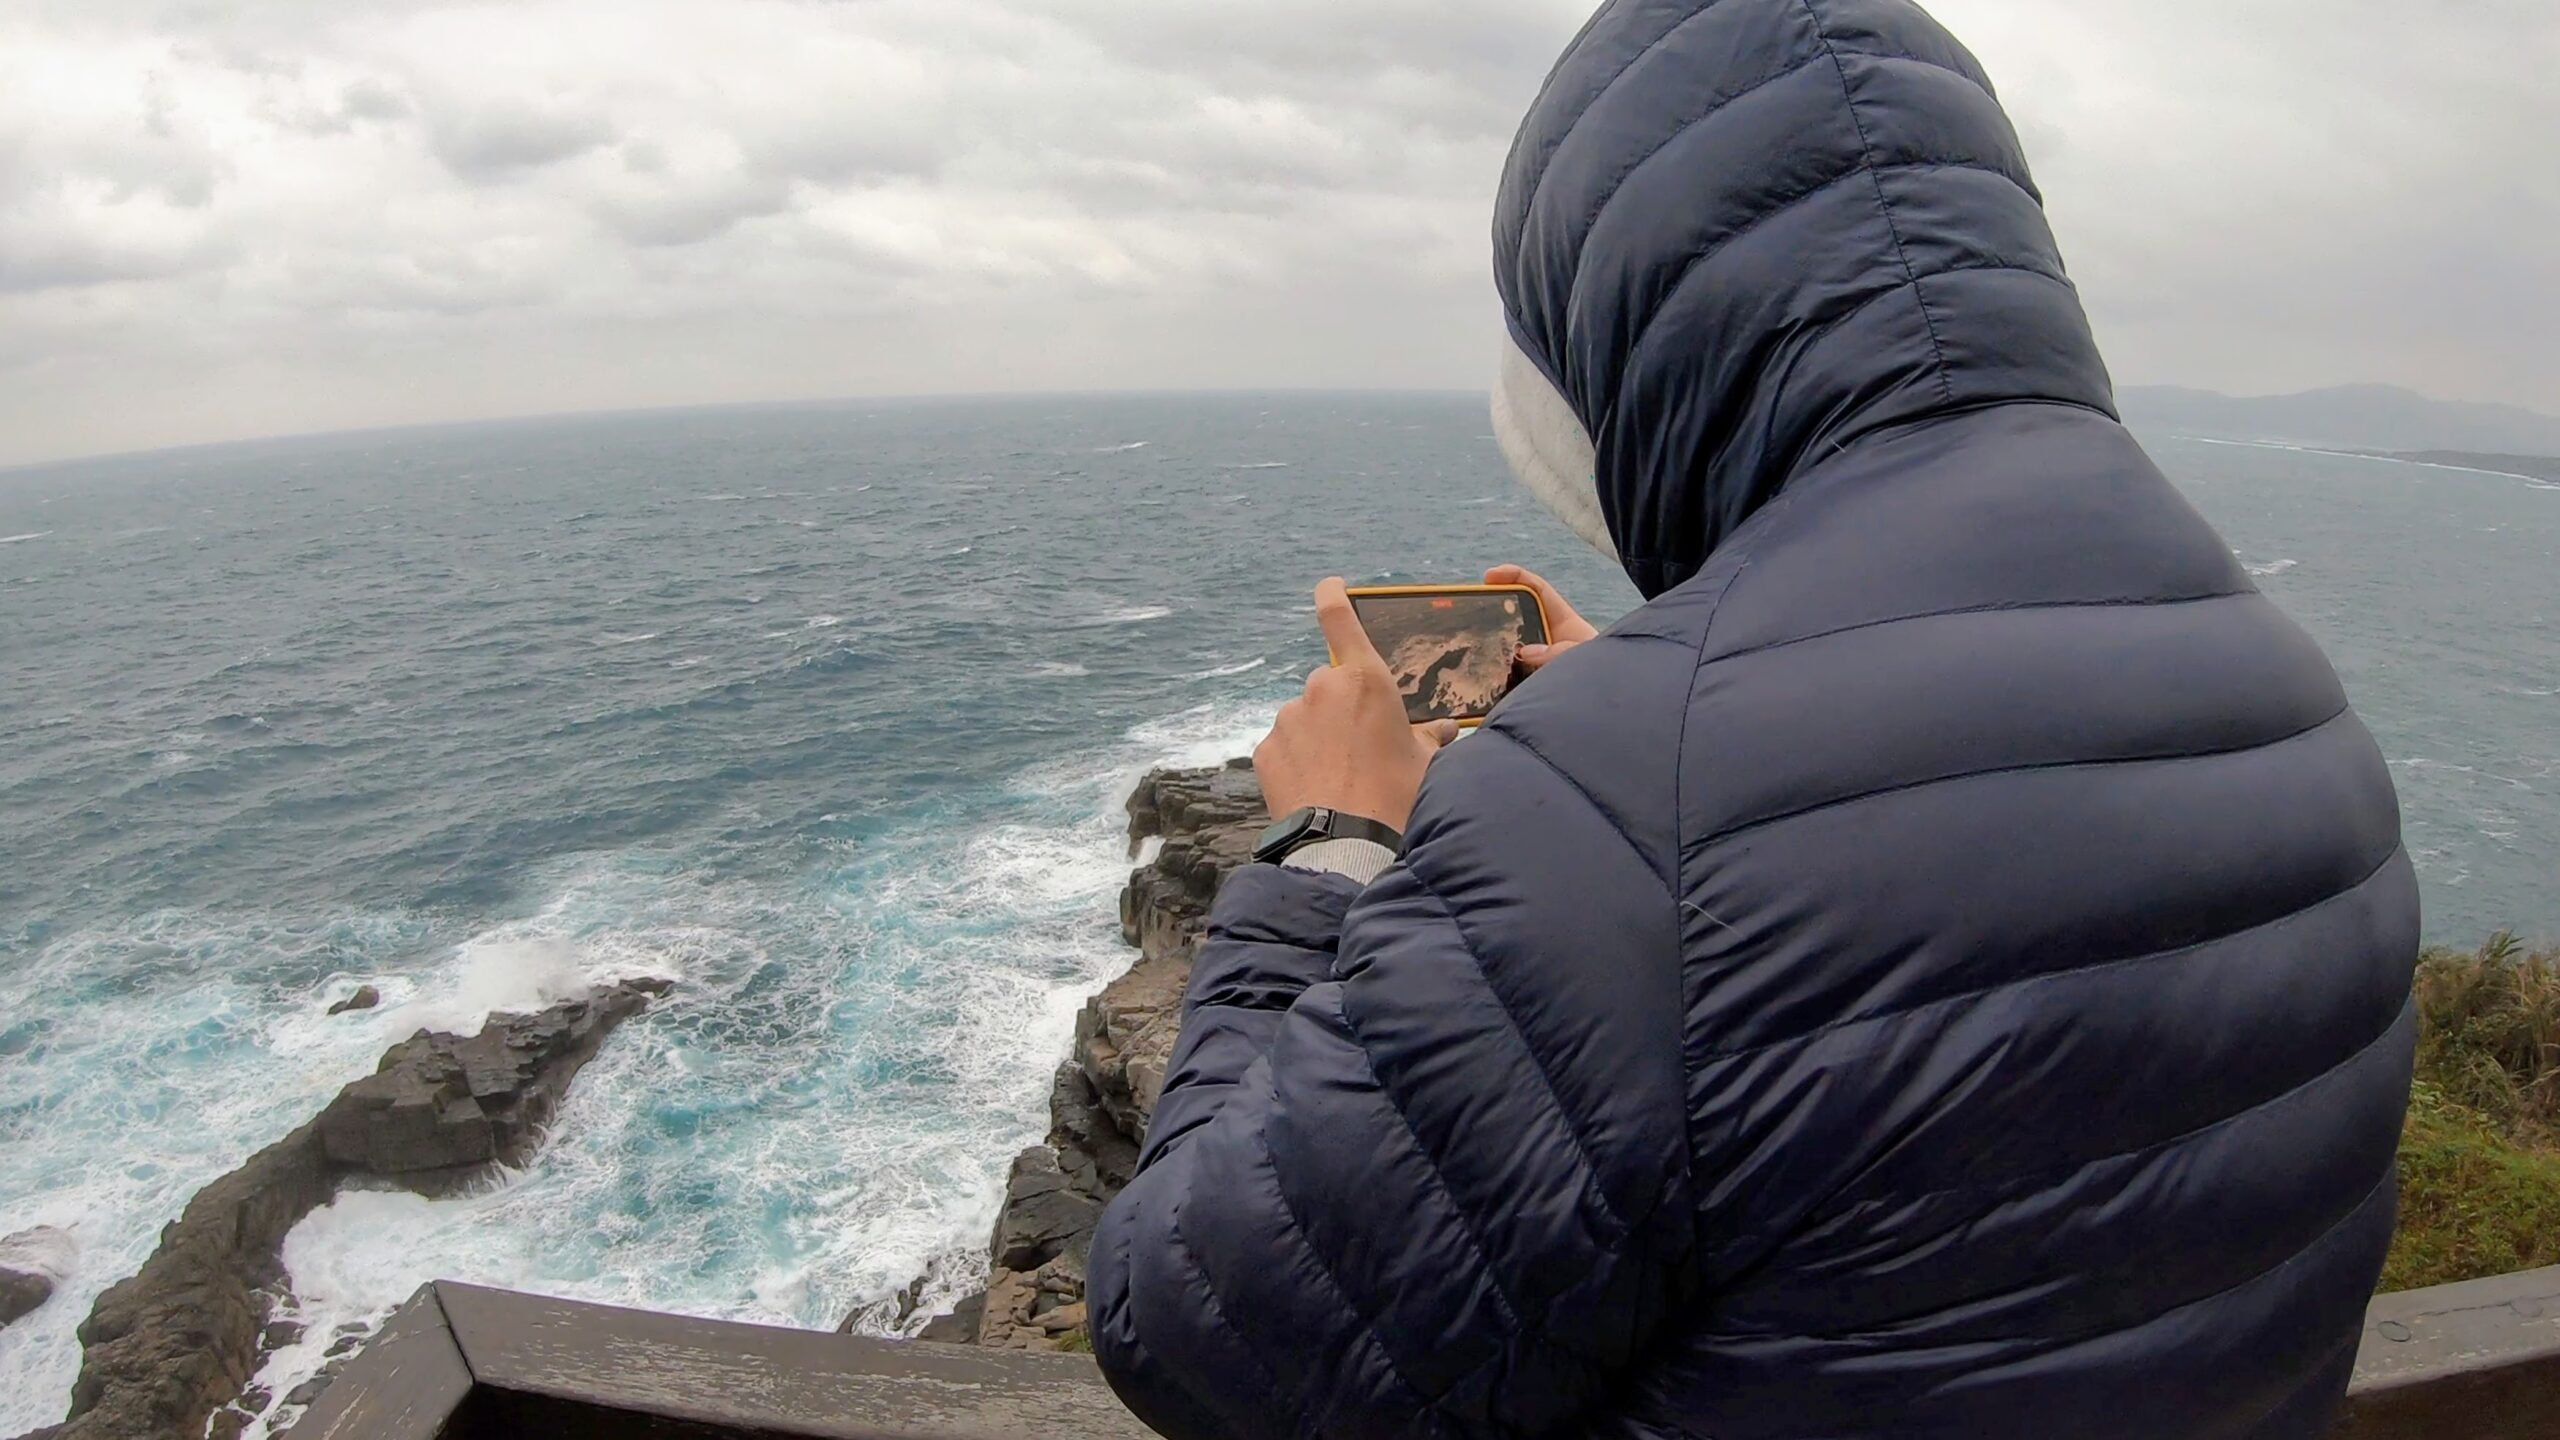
1384, 1192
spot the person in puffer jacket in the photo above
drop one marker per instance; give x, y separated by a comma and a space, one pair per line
1942, 967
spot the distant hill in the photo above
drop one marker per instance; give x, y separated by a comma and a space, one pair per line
2355, 417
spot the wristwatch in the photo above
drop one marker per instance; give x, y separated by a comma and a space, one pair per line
1314, 825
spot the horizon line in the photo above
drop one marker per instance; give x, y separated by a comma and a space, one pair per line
17, 468
14, 468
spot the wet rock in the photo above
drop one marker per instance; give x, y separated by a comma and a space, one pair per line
1043, 1215
960, 1327
309, 1390
169, 1347
21, 1293
32, 1263
279, 1334
365, 998
1096, 1154
890, 1314
443, 1109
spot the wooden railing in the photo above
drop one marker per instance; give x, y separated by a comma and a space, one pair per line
2464, 1362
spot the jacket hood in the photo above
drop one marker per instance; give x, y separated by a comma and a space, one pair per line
1734, 236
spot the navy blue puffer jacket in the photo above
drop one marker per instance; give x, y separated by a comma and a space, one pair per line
1941, 968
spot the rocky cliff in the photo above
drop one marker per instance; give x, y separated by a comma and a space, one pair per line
1206, 822
168, 1351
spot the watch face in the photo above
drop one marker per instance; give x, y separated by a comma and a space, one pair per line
1283, 831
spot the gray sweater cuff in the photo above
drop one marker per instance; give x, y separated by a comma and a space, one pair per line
1361, 860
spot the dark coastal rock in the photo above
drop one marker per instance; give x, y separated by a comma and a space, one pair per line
32, 1263
895, 1311
1096, 1154
1207, 822
172, 1345
960, 1327
444, 1109
1043, 1215
21, 1293
365, 998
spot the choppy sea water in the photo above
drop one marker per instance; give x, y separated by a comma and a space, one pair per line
826, 712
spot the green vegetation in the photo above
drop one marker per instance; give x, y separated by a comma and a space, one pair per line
2480, 1163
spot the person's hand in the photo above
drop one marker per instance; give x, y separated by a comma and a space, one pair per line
1345, 745
1565, 626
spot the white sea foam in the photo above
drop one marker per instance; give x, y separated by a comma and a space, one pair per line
15, 539
1134, 615
611, 640
825, 1107
2472, 773
1059, 669
2531, 482
823, 622
1222, 671
2273, 567
161, 1036
1121, 449
53, 1254
1258, 465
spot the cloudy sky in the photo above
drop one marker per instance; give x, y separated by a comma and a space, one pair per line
222, 218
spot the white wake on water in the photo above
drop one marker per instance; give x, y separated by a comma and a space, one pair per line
1134, 615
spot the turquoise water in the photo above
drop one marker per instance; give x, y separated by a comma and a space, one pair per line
826, 712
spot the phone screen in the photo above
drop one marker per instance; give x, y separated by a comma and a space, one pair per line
1453, 653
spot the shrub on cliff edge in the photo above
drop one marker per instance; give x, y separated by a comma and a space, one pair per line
2480, 1162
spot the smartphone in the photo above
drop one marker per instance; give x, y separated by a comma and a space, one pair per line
1454, 649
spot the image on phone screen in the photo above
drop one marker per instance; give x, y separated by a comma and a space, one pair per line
1452, 653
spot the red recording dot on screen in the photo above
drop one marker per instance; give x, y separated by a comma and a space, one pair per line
1444, 604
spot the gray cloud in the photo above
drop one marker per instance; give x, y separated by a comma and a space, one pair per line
494, 141
235, 217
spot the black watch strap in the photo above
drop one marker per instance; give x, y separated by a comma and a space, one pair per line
1315, 825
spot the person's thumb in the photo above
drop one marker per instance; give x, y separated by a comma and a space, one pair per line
1534, 658
1437, 735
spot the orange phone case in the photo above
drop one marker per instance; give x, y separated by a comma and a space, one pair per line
1545, 625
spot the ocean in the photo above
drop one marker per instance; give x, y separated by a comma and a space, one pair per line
826, 712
